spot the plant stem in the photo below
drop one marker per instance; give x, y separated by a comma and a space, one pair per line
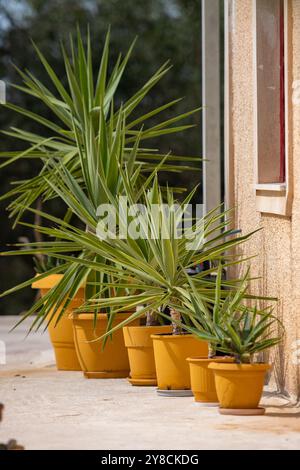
176, 317
151, 318
211, 351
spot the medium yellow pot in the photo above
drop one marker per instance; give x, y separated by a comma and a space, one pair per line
140, 352
61, 335
239, 386
171, 352
96, 362
202, 378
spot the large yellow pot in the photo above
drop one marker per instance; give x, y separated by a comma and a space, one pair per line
239, 386
96, 362
61, 335
202, 378
140, 352
171, 352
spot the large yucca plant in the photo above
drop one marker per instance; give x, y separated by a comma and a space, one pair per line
92, 144
151, 270
82, 109
158, 274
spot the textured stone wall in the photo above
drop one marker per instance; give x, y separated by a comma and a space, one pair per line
277, 245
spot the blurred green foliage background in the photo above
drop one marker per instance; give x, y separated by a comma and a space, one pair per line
167, 29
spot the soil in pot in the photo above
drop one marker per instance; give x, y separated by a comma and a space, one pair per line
96, 362
203, 380
61, 335
139, 346
239, 386
171, 352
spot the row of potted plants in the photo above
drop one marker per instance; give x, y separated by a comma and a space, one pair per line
156, 356
183, 321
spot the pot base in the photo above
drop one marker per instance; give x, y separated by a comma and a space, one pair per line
242, 412
142, 382
174, 393
118, 374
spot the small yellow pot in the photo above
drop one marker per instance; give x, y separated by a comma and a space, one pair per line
61, 335
171, 352
202, 378
140, 352
239, 386
97, 363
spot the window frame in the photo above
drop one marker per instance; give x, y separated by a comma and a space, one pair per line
275, 198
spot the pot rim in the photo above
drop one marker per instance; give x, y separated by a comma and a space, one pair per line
144, 327
49, 281
164, 336
90, 316
217, 359
231, 367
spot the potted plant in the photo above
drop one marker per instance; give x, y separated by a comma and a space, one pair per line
97, 361
156, 267
207, 317
93, 142
138, 341
61, 335
241, 332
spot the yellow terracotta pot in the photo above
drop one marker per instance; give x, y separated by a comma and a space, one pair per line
202, 378
98, 363
140, 352
239, 386
171, 352
61, 335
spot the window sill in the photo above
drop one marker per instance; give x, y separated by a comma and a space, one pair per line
274, 187
272, 198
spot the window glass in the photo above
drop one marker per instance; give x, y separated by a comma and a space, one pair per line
270, 91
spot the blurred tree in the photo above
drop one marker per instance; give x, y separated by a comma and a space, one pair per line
167, 29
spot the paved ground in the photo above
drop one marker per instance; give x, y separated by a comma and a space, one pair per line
46, 409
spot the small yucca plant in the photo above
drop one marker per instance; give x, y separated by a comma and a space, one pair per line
230, 325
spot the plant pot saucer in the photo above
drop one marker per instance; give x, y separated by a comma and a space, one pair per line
242, 411
142, 382
174, 393
118, 374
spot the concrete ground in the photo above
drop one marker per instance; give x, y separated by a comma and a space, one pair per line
47, 409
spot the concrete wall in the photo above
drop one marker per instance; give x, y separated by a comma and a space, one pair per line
277, 246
